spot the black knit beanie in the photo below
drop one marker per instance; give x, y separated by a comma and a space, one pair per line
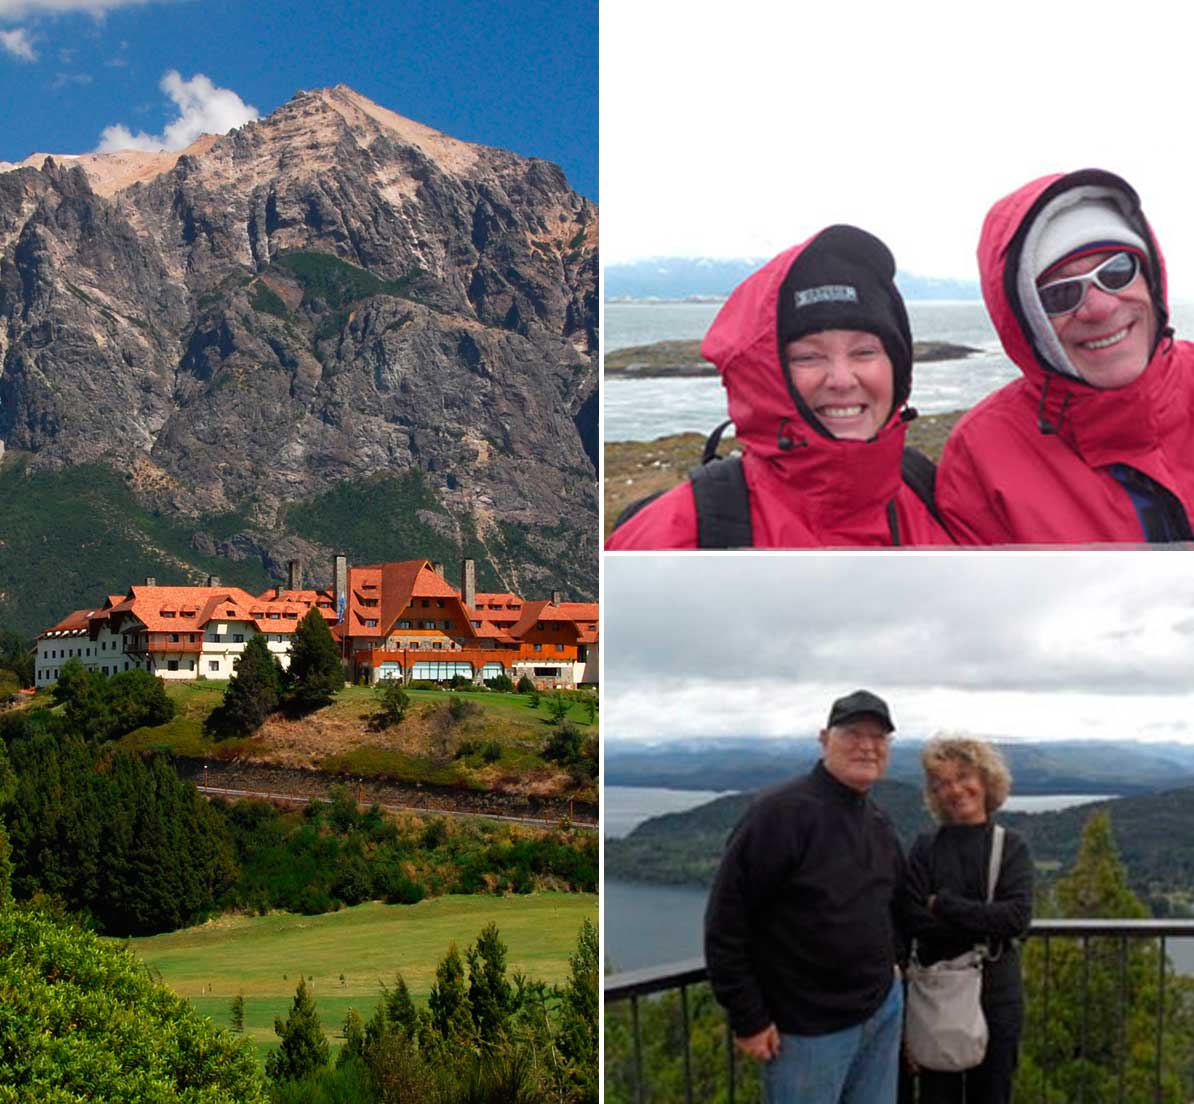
844, 279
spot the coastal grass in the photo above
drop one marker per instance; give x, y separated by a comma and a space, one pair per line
347, 956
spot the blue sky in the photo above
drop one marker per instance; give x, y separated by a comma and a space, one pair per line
77, 73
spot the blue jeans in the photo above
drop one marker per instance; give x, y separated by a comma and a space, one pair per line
859, 1065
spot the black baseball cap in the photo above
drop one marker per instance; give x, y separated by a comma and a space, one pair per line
859, 704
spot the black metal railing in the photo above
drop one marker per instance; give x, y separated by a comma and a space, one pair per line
1059, 1046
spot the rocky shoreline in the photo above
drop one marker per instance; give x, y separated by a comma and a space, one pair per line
682, 359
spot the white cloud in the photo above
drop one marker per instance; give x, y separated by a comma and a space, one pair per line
203, 109
64, 79
18, 44
10, 9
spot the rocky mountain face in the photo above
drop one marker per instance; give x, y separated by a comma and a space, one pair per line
331, 298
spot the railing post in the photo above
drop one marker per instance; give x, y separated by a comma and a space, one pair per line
730, 1060
638, 1051
1085, 1014
687, 1045
1045, 1028
1123, 1014
1160, 1016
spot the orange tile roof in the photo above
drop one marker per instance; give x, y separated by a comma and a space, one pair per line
74, 622
193, 608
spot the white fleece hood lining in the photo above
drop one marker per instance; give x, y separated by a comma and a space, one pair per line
1040, 328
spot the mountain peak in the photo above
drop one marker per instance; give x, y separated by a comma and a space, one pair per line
367, 120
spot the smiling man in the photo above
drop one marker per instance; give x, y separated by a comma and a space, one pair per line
1096, 443
800, 939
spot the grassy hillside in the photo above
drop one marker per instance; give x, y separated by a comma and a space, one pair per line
70, 538
348, 955
430, 746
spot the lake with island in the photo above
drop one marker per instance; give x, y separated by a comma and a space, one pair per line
643, 409
652, 925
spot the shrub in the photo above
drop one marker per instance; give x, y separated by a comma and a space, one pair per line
557, 707
394, 701
129, 1039
460, 709
503, 683
525, 686
564, 745
492, 752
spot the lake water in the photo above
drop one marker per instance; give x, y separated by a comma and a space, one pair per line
641, 410
652, 925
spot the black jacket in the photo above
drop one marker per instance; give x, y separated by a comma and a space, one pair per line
951, 864
799, 929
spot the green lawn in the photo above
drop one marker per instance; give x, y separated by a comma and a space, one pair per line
347, 955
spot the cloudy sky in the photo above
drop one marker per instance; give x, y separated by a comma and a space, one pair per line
736, 130
78, 76
1012, 645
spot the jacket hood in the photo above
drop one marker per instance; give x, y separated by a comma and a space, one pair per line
1007, 235
744, 341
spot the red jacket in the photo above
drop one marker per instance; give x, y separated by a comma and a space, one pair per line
807, 490
1028, 465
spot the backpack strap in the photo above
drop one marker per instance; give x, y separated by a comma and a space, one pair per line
709, 452
722, 504
920, 473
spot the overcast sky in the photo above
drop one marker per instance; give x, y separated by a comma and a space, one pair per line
1011, 645
737, 129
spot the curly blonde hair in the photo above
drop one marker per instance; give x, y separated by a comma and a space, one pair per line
981, 755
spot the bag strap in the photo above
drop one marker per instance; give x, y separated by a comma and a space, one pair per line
996, 861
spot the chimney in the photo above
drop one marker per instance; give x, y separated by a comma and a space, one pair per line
213, 580
295, 571
340, 584
151, 580
278, 591
468, 582
438, 568
555, 597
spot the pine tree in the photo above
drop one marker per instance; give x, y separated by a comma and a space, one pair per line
303, 1049
315, 671
489, 993
354, 1038
578, 1015
400, 1009
447, 1002
1102, 994
254, 690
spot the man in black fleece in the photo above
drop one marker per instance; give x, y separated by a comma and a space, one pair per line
799, 935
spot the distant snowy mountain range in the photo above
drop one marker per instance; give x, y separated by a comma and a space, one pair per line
707, 277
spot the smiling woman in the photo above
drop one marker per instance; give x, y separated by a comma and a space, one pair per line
815, 354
